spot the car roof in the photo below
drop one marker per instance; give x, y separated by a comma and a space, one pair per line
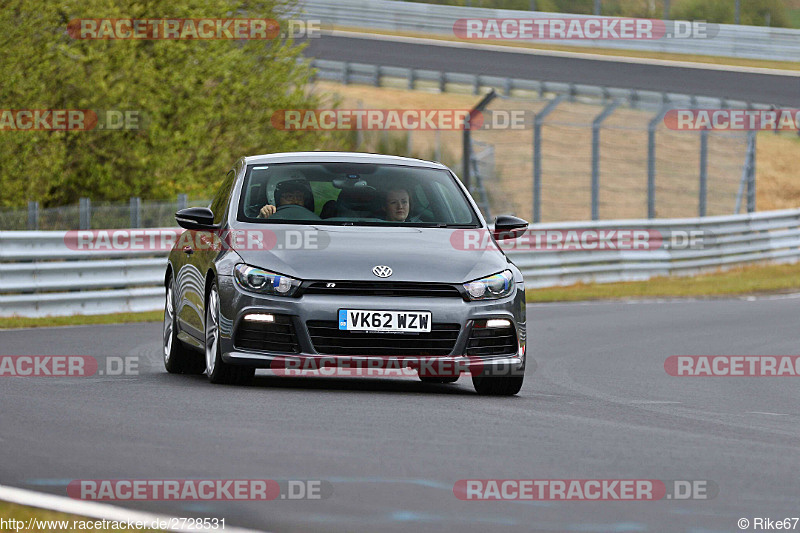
339, 157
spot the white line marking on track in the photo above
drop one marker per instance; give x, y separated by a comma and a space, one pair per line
99, 511
558, 53
765, 413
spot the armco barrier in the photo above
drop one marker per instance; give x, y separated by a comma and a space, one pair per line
752, 42
366, 74
41, 276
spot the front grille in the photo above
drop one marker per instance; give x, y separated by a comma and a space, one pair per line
329, 339
278, 336
383, 288
492, 341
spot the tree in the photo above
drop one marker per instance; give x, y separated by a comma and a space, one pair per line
204, 102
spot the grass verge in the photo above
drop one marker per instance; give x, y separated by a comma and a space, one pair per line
748, 280
49, 520
80, 320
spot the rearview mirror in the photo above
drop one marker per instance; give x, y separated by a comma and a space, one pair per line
507, 227
197, 218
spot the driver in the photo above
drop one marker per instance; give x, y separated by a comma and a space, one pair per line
289, 192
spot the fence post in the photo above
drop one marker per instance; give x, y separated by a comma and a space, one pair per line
345, 73
596, 123
411, 76
85, 209
33, 216
651, 160
183, 201
136, 212
748, 176
703, 172
538, 120
751, 177
466, 155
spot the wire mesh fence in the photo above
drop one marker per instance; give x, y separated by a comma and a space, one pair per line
623, 162
97, 215
588, 152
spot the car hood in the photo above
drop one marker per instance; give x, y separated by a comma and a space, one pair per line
350, 253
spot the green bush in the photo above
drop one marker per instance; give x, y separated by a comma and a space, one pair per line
206, 102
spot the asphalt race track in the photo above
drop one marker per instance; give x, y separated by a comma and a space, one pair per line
753, 87
599, 405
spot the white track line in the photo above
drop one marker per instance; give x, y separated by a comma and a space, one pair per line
558, 53
96, 510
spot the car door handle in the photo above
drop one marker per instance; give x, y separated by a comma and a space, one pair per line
188, 250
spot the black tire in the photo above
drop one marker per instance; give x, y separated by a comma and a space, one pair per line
497, 385
432, 379
217, 370
178, 359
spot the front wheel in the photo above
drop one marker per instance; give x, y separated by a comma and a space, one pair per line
178, 359
497, 385
217, 370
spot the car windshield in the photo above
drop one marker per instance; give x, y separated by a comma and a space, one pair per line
353, 194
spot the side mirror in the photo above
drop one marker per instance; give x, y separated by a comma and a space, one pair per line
507, 227
196, 218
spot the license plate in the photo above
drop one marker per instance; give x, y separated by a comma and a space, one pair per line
385, 321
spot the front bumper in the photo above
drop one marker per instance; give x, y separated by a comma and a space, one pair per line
236, 303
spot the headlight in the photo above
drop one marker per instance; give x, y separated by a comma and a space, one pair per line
264, 282
492, 287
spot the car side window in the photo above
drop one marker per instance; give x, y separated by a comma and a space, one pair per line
220, 203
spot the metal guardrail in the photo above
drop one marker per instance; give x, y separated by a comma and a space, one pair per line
363, 73
772, 236
752, 42
41, 276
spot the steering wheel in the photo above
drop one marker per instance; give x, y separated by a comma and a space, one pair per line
295, 211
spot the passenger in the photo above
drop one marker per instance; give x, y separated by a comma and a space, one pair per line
397, 205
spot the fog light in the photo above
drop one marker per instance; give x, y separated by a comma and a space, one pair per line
260, 318
498, 323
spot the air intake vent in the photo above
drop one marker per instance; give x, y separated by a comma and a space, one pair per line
329, 339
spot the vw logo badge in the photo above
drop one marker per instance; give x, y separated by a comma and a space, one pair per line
382, 271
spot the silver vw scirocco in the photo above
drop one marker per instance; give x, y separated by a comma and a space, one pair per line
329, 256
